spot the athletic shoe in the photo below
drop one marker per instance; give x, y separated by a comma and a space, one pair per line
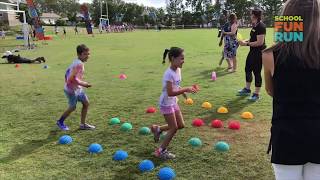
87, 127
62, 126
164, 154
244, 92
255, 97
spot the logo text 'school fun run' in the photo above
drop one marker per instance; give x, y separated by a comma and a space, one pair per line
288, 29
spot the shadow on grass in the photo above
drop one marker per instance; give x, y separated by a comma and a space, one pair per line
148, 154
220, 72
234, 106
22, 150
131, 172
7, 46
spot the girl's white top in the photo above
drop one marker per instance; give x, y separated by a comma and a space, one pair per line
174, 77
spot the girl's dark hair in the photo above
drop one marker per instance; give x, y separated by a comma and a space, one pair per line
257, 12
232, 18
173, 52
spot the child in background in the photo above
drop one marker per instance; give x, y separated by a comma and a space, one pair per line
64, 32
76, 30
3, 34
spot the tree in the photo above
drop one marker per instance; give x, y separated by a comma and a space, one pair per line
187, 12
272, 8
201, 10
95, 10
187, 18
239, 7
24, 7
161, 15
174, 10
133, 13
65, 8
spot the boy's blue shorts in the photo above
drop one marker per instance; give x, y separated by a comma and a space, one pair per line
73, 98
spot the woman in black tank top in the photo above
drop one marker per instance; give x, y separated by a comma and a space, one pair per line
292, 77
254, 58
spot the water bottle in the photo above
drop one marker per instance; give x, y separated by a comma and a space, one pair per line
213, 76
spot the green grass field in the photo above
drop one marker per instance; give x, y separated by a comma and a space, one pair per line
32, 99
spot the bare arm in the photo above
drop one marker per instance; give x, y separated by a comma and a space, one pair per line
268, 64
82, 83
221, 39
180, 91
244, 42
259, 42
234, 29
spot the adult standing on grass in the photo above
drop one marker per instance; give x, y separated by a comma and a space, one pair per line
231, 43
3, 34
223, 23
101, 28
56, 29
34, 33
73, 89
254, 58
64, 32
76, 30
292, 74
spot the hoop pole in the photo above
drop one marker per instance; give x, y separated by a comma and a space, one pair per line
24, 25
100, 8
107, 9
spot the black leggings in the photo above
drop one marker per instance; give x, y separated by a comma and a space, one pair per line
19, 59
25, 60
254, 64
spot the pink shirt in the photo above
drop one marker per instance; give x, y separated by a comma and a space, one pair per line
74, 76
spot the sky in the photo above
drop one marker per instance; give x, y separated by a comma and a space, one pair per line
150, 3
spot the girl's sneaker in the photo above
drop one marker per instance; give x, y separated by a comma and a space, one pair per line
62, 126
231, 70
164, 154
156, 133
87, 127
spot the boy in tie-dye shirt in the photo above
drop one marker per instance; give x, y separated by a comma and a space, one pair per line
73, 89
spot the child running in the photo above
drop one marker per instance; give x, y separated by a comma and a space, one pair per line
168, 101
64, 32
74, 91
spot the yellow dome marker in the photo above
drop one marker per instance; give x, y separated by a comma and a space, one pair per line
206, 105
247, 115
222, 110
